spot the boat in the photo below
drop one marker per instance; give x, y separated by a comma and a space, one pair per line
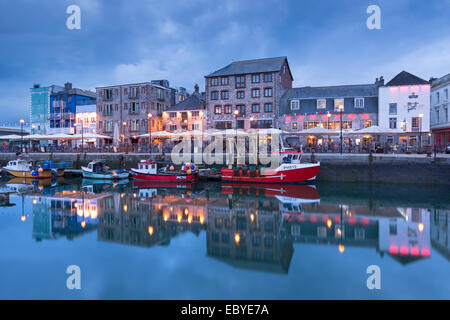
148, 171
290, 170
24, 168
304, 193
97, 169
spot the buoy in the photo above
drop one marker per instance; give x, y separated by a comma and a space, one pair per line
192, 167
189, 171
40, 170
172, 168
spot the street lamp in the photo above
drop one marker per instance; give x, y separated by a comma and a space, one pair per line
420, 132
21, 132
341, 108
149, 124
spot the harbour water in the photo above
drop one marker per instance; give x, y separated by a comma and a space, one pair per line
214, 241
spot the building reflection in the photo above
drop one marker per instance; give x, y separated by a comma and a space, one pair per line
248, 227
66, 213
150, 217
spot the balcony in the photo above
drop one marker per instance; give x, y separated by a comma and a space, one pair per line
59, 104
61, 116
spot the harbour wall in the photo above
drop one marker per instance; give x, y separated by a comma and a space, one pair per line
377, 168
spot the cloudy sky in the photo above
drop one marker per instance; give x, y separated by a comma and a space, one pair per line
121, 41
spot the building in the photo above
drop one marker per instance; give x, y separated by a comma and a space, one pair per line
440, 122
123, 110
86, 122
309, 107
188, 114
40, 107
404, 103
63, 108
250, 88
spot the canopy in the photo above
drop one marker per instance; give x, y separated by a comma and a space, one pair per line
270, 131
11, 137
319, 131
229, 132
376, 130
157, 134
79, 136
192, 133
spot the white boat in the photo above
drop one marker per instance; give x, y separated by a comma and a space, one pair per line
98, 170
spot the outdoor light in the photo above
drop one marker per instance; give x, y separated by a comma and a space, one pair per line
341, 248
236, 112
421, 227
237, 238
150, 230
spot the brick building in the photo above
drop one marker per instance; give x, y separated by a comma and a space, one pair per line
253, 88
123, 110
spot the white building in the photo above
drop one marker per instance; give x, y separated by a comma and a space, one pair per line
86, 122
440, 122
404, 103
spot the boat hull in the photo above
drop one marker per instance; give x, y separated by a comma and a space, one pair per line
307, 173
161, 177
108, 176
45, 174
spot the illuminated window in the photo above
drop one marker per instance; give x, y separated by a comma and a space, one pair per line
321, 103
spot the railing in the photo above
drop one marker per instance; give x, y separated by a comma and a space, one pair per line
61, 116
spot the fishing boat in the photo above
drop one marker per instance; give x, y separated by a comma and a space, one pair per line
97, 169
290, 170
148, 171
24, 168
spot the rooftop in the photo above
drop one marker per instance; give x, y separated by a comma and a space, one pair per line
405, 78
356, 90
193, 102
251, 66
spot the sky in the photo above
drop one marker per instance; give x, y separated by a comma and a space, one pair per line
327, 42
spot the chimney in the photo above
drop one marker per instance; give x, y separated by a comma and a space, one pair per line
68, 86
196, 89
379, 81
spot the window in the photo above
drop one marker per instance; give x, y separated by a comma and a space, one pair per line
134, 107
338, 103
294, 126
173, 127
415, 123
125, 91
255, 108
133, 92
223, 124
261, 124
255, 78
214, 82
160, 94
108, 109
446, 94
267, 92
224, 95
267, 77
295, 105
367, 123
107, 94
359, 102
241, 109
321, 103
437, 97
218, 109
224, 81
393, 108
255, 93
437, 115
228, 109
240, 82
240, 94
214, 95
134, 125
267, 107
172, 115
393, 123
108, 126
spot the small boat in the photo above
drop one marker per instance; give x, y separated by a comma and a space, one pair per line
290, 170
98, 170
148, 171
24, 168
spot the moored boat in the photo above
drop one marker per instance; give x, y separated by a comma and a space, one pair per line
99, 170
290, 170
148, 171
23, 168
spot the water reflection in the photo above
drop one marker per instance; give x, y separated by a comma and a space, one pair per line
248, 227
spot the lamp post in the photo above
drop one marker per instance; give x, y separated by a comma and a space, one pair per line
420, 132
124, 124
341, 108
149, 124
21, 133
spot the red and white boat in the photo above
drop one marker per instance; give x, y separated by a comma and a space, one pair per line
290, 170
148, 171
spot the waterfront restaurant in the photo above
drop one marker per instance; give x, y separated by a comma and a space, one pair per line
352, 106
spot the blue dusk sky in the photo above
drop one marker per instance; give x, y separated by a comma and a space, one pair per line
124, 41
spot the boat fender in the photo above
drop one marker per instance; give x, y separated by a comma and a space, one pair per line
34, 173
120, 171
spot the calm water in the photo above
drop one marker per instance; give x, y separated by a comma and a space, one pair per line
220, 242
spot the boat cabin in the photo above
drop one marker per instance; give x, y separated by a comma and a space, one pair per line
97, 167
147, 167
20, 164
291, 157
